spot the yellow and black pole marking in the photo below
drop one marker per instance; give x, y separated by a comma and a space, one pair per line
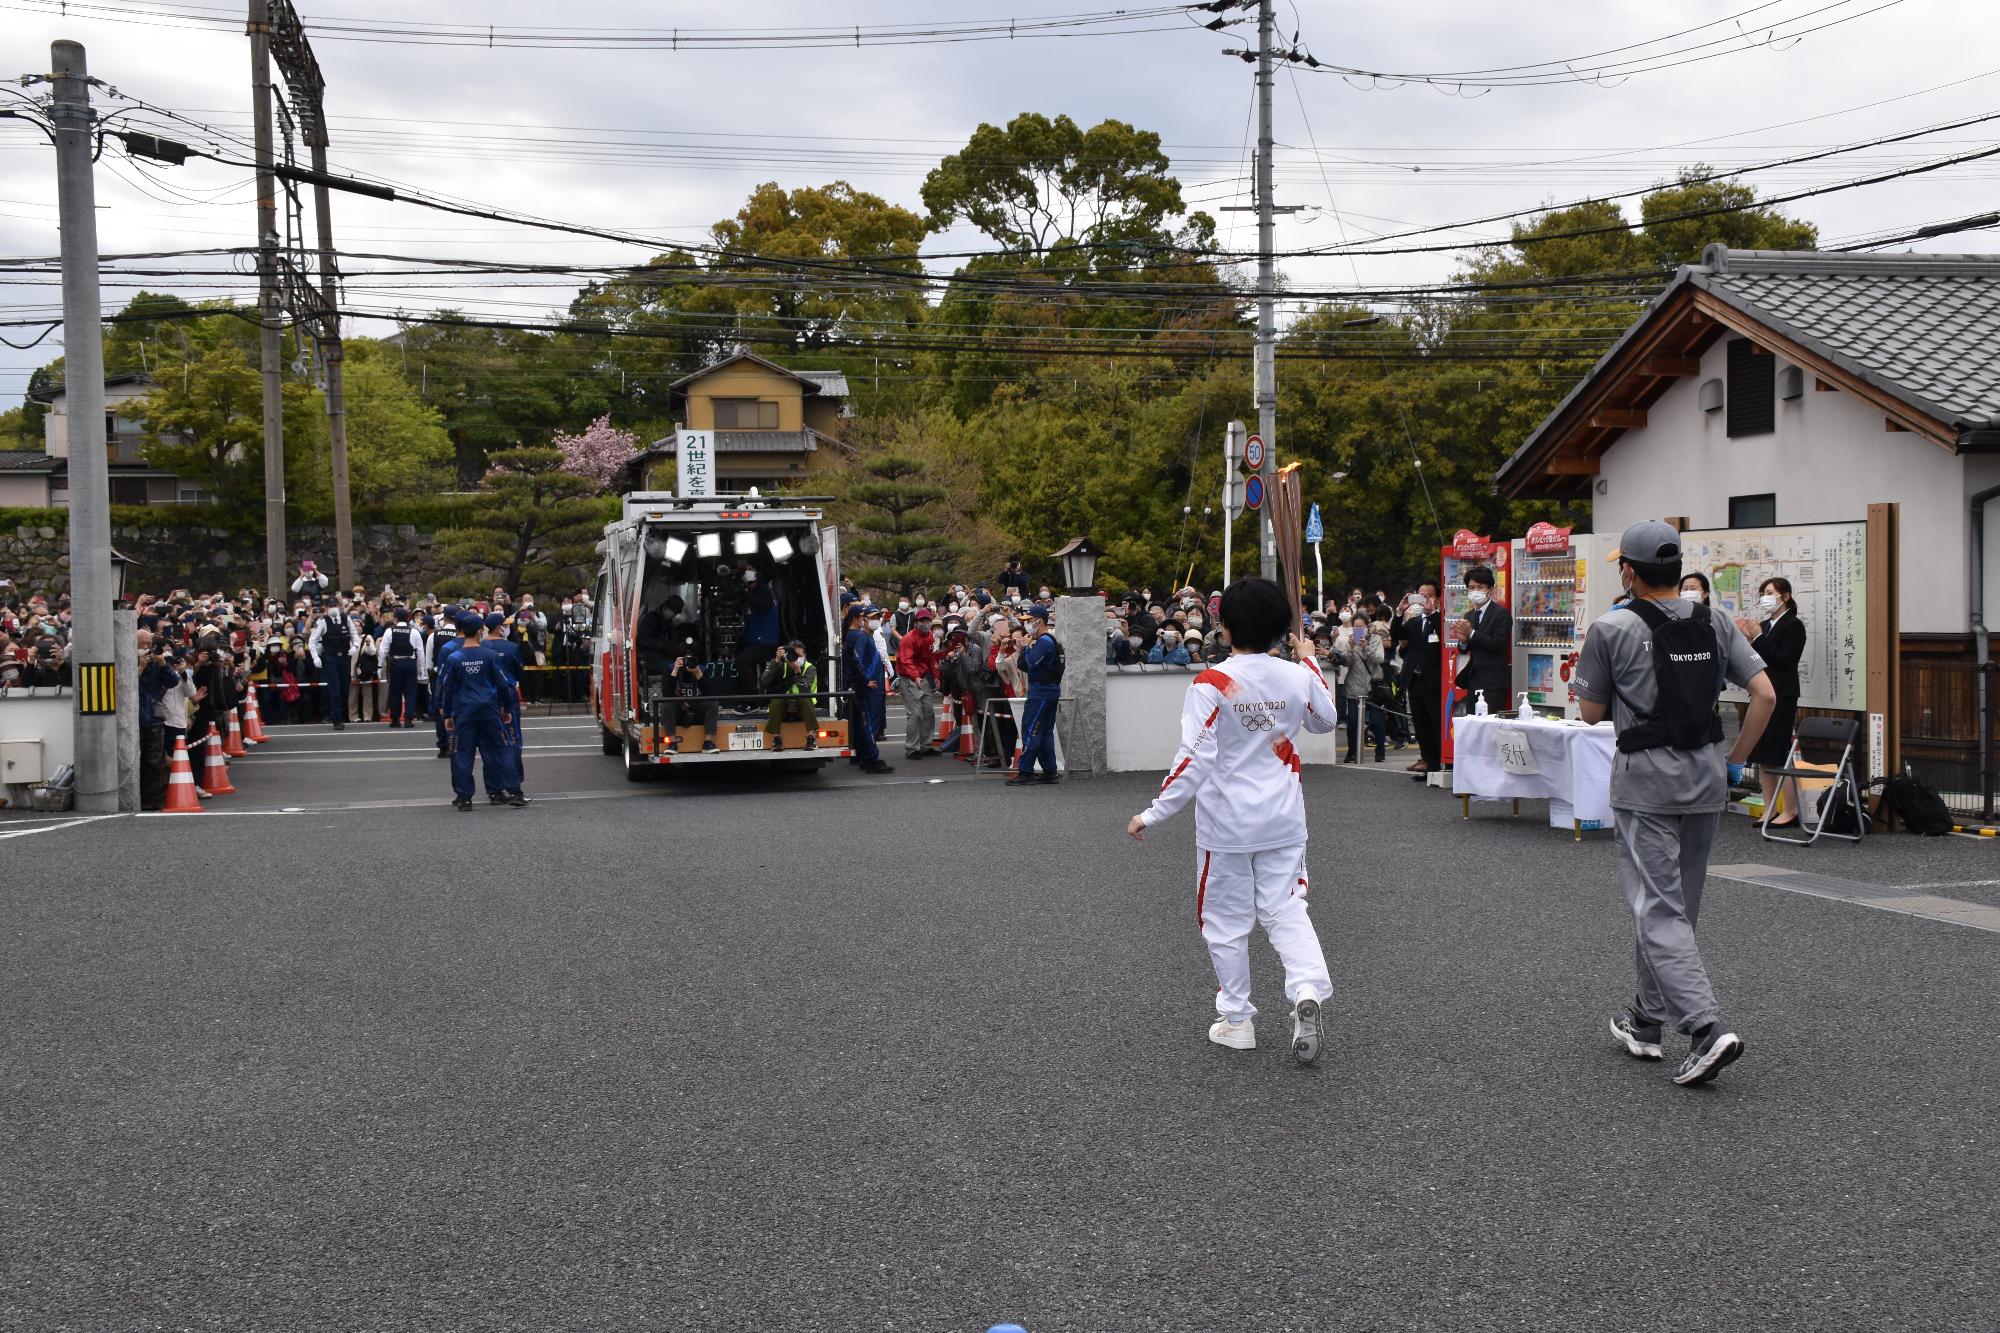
96, 688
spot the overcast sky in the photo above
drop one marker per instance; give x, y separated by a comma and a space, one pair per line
667, 142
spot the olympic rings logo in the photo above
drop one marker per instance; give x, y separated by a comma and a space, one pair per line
1259, 722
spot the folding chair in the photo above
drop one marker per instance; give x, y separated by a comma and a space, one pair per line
1821, 741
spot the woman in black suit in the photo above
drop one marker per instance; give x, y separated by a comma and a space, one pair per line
1780, 639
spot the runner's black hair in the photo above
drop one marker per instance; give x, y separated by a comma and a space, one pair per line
1256, 614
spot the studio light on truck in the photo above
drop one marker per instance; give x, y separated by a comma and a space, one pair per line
746, 543
708, 545
780, 548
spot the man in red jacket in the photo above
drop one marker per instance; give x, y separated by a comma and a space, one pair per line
916, 682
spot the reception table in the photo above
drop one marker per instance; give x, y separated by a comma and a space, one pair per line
1566, 763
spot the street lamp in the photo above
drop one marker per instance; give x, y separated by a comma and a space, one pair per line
1079, 566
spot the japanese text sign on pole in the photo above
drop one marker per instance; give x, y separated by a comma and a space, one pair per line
696, 449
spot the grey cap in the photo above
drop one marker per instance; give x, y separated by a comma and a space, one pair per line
1649, 541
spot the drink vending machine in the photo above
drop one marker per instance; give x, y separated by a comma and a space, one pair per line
1561, 584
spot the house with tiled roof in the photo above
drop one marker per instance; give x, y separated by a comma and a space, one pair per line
40, 478
1767, 388
775, 428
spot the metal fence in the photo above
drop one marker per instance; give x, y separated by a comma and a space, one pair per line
1940, 730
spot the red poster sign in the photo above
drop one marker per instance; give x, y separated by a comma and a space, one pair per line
1469, 545
1547, 539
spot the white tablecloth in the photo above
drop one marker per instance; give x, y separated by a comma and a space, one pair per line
1573, 763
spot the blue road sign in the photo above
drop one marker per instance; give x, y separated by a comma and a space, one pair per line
1315, 531
1253, 492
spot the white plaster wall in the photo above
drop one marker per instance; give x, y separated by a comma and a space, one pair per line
24, 492
1828, 460
41, 715
1142, 721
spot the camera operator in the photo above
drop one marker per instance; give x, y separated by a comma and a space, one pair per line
687, 685
792, 678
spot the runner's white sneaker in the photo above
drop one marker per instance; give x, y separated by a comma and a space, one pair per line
1236, 1036
1305, 1026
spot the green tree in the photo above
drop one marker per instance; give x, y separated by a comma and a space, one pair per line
492, 387
908, 547
533, 525
1041, 184
14, 430
397, 446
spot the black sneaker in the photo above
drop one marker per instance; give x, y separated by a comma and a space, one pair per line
709, 747
496, 798
812, 742
1642, 1039
461, 803
877, 766
1708, 1057
1020, 780
1049, 779
515, 799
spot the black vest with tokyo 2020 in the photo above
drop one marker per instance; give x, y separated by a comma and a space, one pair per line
1687, 667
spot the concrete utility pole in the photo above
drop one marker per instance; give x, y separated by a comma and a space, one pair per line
92, 656
270, 305
1266, 366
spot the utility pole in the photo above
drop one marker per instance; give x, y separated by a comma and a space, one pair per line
269, 301
92, 648
1266, 367
319, 310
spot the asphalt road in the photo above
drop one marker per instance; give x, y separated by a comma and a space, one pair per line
828, 1052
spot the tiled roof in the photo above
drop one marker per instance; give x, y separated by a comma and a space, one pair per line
1925, 328
26, 460
832, 383
751, 442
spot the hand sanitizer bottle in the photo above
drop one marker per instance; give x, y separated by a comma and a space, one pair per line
1479, 703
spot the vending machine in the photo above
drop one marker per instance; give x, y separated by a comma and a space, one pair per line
1468, 550
1561, 584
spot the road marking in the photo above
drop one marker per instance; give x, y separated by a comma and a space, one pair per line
1902, 899
397, 756
51, 828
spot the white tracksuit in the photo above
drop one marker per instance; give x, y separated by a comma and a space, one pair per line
1236, 756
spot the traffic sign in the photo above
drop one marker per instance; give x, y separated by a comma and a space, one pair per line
1253, 490
1253, 454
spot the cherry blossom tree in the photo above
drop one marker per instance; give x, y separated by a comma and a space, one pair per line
599, 452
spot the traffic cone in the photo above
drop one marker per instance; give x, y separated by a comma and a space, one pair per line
253, 721
232, 739
942, 741
181, 799
965, 727
215, 776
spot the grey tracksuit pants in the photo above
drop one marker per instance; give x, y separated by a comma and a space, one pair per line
1662, 863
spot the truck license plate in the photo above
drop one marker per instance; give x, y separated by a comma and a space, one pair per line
746, 740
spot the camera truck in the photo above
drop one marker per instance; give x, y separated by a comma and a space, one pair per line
708, 613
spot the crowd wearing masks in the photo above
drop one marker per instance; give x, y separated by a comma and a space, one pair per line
320, 656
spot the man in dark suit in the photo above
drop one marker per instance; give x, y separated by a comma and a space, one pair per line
1487, 634
1421, 634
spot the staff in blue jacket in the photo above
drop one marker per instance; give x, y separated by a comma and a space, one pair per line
861, 668
510, 657
478, 702
1042, 661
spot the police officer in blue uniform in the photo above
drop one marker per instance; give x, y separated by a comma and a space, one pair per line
509, 792
447, 640
401, 657
864, 675
479, 703
1042, 661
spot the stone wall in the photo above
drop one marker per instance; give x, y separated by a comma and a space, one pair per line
36, 557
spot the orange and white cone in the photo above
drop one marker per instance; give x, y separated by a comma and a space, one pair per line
181, 799
215, 776
253, 721
232, 740
942, 741
965, 727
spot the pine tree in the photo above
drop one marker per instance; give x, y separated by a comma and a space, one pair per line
906, 548
534, 524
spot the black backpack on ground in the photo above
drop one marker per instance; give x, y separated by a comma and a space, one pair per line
1688, 680
1918, 804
